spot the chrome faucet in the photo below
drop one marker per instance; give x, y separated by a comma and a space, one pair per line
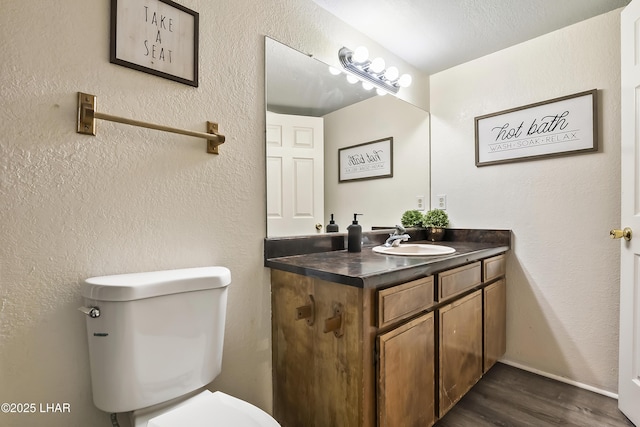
397, 236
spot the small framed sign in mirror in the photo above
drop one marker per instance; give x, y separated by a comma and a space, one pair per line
370, 160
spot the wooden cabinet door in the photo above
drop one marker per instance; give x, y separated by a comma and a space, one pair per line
458, 280
495, 322
401, 302
460, 349
406, 383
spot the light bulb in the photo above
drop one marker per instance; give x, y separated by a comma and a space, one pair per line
391, 73
377, 65
334, 71
360, 55
405, 80
352, 79
381, 92
367, 86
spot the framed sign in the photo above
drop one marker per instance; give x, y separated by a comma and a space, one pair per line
555, 127
158, 37
370, 160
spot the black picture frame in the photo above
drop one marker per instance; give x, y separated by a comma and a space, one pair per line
556, 127
170, 50
370, 160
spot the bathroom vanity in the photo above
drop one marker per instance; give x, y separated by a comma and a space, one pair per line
365, 339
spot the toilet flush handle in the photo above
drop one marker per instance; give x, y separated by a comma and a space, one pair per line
92, 312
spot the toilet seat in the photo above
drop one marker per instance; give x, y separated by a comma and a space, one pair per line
218, 409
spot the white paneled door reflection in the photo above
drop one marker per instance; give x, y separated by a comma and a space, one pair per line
295, 177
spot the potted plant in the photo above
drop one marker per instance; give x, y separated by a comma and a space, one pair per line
412, 218
435, 221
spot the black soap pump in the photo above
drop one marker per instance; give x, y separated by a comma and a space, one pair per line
332, 227
354, 239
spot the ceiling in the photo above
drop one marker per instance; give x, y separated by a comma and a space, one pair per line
434, 35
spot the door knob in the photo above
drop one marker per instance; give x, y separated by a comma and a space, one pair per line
318, 226
618, 234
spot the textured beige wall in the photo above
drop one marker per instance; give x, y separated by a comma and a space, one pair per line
129, 199
563, 269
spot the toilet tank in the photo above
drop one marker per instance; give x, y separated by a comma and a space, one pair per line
159, 335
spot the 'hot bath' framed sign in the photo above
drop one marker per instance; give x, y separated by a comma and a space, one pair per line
158, 37
560, 126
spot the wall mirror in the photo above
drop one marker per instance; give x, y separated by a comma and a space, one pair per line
311, 115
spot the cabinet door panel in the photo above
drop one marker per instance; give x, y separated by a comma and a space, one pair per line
458, 280
402, 301
495, 322
494, 267
406, 384
460, 335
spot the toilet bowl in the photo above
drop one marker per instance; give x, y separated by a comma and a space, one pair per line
205, 409
155, 341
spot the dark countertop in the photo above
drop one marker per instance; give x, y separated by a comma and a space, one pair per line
368, 269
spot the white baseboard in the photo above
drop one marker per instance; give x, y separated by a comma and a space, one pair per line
561, 379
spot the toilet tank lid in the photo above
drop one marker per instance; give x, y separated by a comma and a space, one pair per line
133, 286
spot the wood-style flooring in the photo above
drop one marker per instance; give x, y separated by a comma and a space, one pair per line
508, 396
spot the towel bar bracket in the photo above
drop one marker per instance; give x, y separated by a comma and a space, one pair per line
87, 116
86, 110
212, 147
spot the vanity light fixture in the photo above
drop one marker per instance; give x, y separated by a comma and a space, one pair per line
334, 71
372, 72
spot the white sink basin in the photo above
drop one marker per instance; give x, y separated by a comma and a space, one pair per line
414, 249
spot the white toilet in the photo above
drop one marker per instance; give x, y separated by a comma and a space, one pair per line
155, 340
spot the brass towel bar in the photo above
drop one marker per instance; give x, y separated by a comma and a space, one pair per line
87, 116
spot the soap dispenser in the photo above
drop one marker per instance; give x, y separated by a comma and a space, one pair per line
354, 239
332, 227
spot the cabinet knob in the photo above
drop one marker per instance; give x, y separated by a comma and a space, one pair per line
618, 234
